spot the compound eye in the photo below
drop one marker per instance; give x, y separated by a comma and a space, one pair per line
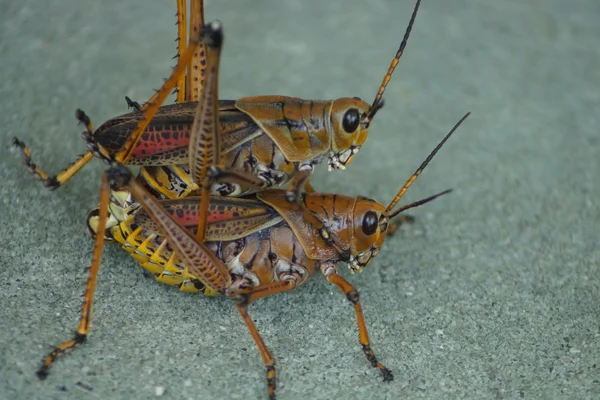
351, 120
369, 224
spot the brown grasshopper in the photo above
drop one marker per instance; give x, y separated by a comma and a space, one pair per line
266, 140
245, 248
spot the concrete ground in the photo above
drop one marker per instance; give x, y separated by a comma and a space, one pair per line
492, 293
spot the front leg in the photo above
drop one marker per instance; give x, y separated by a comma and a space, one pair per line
330, 273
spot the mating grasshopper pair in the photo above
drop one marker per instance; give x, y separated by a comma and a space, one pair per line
245, 248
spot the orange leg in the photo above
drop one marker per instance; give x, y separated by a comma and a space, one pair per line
363, 337
242, 307
88, 299
197, 68
181, 46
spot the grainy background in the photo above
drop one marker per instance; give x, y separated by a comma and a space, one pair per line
492, 293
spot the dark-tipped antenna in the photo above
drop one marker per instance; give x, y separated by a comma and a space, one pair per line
376, 106
84, 120
414, 176
419, 203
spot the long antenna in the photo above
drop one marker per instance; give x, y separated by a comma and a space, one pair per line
414, 176
419, 203
377, 103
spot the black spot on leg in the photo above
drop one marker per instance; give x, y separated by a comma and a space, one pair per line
51, 183
353, 297
42, 373
387, 374
242, 300
79, 337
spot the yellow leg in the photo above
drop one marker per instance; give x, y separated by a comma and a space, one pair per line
51, 182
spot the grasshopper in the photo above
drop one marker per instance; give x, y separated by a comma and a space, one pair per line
243, 248
266, 140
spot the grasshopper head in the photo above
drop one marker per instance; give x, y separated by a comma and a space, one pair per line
371, 220
370, 227
349, 123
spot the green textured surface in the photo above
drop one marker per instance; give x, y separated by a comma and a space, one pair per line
492, 293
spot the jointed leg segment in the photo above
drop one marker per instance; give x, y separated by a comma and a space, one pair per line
264, 350
191, 84
242, 306
181, 46
353, 296
51, 182
88, 298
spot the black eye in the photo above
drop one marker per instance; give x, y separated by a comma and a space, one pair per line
369, 224
351, 120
